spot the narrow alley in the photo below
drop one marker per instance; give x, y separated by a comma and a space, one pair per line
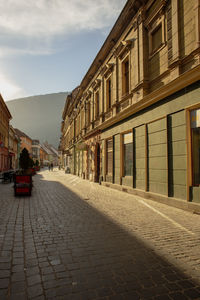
75, 239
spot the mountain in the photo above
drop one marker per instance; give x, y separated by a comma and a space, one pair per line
39, 116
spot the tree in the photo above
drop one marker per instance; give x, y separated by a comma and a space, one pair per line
24, 159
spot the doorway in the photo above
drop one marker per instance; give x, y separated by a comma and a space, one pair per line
97, 164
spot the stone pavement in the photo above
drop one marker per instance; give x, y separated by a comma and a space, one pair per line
74, 239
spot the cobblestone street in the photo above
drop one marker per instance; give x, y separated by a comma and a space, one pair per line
74, 239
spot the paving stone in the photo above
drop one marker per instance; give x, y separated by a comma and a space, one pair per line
3, 293
177, 296
20, 296
18, 276
18, 287
4, 283
34, 279
192, 293
4, 273
34, 291
55, 245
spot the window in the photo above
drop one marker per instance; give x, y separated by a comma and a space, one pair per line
125, 77
195, 136
128, 154
108, 94
109, 156
88, 113
157, 36
79, 122
75, 127
82, 119
97, 104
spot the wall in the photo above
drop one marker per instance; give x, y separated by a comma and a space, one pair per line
160, 156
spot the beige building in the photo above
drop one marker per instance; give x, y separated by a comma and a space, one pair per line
14, 149
134, 121
25, 141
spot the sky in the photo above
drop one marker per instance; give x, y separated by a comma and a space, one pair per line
47, 46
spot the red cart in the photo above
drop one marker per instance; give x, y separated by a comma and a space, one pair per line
23, 185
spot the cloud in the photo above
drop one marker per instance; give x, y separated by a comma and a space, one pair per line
40, 21
9, 90
8, 51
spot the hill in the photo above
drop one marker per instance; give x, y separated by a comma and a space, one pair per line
39, 116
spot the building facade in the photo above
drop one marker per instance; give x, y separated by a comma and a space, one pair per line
14, 149
51, 154
134, 121
36, 150
25, 141
5, 118
43, 157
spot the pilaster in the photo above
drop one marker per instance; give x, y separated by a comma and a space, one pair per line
142, 49
174, 63
197, 21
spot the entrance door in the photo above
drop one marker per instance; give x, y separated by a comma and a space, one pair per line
88, 163
97, 162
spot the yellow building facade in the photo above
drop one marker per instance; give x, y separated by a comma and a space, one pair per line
14, 149
133, 122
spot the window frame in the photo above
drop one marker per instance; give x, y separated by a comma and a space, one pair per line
107, 171
97, 104
190, 182
88, 110
108, 93
125, 81
123, 152
160, 22
190, 141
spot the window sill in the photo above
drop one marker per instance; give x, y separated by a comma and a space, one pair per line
152, 54
125, 97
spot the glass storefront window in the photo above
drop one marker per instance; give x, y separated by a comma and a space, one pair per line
109, 158
128, 154
195, 134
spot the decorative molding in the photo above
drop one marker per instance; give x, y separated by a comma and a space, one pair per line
96, 84
172, 87
157, 12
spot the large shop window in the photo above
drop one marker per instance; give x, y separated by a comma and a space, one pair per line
195, 134
128, 154
109, 156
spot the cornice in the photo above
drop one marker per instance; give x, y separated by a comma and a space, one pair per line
172, 87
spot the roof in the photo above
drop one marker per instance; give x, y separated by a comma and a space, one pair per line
130, 9
49, 149
21, 134
54, 150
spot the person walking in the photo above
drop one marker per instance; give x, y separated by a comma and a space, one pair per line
51, 166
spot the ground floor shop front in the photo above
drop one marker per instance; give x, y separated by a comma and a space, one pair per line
84, 159
4, 159
157, 150
154, 153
